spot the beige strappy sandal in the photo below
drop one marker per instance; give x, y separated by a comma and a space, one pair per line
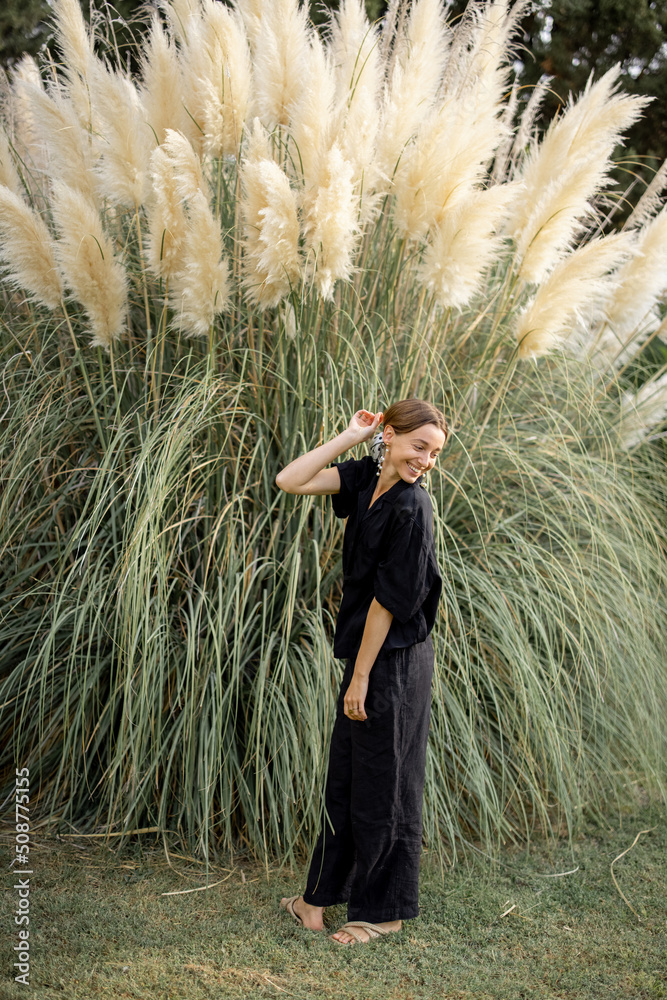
372, 930
289, 906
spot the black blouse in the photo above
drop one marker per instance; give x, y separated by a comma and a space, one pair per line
389, 554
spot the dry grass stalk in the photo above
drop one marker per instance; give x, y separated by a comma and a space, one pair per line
271, 256
27, 250
88, 265
576, 285
200, 291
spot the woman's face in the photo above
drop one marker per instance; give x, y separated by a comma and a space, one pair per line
410, 455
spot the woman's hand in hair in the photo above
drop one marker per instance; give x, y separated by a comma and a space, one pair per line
364, 424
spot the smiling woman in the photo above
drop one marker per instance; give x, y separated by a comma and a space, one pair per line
368, 851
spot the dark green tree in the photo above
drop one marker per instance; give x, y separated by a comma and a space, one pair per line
23, 28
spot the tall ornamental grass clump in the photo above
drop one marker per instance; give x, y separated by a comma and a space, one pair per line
208, 269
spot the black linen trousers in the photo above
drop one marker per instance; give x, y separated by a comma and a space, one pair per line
369, 849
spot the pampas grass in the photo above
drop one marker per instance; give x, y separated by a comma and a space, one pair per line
330, 223
271, 258
200, 289
280, 60
86, 260
463, 246
166, 218
642, 281
27, 250
577, 284
642, 411
66, 146
162, 84
124, 137
563, 173
267, 230
9, 175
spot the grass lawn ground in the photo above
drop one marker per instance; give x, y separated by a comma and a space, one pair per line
100, 927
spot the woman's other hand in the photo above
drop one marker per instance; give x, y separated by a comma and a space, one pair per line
355, 697
364, 424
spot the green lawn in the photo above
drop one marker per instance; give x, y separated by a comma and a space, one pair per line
100, 927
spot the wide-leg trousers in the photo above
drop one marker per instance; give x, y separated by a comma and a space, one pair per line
368, 851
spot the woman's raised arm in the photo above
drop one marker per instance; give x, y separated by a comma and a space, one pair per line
309, 474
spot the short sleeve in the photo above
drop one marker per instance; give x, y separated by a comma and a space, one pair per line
354, 475
407, 575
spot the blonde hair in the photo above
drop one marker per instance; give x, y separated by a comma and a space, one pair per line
409, 414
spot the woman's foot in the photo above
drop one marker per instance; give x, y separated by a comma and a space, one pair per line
363, 934
310, 916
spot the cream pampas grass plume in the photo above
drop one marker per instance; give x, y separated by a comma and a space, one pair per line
166, 218
280, 60
311, 119
162, 84
575, 287
180, 15
651, 201
9, 175
218, 77
125, 139
565, 171
73, 38
330, 223
26, 250
642, 411
177, 177
629, 314
87, 263
271, 256
27, 143
185, 164
66, 146
412, 87
355, 53
200, 291
456, 142
463, 246
642, 281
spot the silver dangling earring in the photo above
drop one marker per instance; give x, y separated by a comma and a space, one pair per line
377, 451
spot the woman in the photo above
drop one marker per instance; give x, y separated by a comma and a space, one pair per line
368, 851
